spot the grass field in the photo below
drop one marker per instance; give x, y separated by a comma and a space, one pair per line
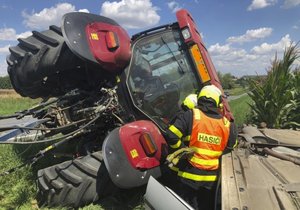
236, 91
240, 109
18, 191
11, 102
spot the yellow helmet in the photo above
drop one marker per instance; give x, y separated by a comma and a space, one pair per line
211, 92
190, 101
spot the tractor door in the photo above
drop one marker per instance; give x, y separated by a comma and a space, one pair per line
161, 74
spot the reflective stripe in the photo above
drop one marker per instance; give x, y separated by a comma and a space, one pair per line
207, 152
195, 177
226, 122
187, 138
175, 146
196, 160
173, 168
197, 115
176, 131
235, 144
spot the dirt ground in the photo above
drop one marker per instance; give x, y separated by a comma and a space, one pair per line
9, 93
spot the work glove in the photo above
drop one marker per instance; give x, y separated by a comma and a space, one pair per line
173, 158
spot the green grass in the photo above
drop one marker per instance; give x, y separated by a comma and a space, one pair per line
236, 91
240, 109
13, 104
16, 189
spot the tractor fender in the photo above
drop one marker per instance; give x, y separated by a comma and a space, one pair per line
89, 37
127, 162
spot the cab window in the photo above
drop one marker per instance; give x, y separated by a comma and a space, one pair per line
160, 76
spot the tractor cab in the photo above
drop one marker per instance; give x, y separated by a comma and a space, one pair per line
160, 75
167, 64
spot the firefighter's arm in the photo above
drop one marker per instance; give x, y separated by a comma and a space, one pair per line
174, 137
177, 131
232, 141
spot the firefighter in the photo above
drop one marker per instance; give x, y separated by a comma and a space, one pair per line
199, 137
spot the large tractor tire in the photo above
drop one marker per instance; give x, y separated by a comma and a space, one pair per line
74, 183
42, 65
32, 63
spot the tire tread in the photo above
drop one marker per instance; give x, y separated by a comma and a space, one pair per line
66, 184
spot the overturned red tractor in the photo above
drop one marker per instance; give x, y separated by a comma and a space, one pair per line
111, 95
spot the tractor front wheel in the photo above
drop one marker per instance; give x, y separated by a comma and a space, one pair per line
74, 183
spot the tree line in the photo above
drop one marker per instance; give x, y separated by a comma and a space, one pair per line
5, 83
227, 80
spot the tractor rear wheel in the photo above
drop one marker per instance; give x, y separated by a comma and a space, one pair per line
42, 65
74, 183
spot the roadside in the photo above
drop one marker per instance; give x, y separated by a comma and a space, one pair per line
231, 98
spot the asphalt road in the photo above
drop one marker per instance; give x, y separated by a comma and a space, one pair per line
231, 98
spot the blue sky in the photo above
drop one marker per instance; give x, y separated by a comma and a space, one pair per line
242, 36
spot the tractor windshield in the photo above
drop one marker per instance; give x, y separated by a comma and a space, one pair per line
160, 75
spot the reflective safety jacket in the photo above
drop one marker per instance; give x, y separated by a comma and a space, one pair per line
209, 135
209, 138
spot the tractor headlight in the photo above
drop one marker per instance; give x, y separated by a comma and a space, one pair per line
186, 33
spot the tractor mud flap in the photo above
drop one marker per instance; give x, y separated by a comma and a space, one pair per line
160, 197
121, 172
